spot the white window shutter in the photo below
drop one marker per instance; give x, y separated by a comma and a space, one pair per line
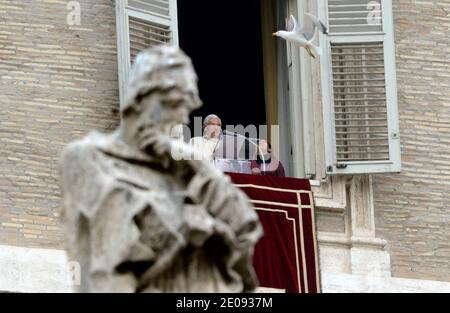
142, 24
359, 87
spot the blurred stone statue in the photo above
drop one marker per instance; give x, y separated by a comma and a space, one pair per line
140, 220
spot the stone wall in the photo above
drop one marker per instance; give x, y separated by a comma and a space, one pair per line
412, 209
57, 83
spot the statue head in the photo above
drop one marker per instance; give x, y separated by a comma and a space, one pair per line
161, 93
162, 82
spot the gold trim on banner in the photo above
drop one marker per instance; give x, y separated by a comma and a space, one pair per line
305, 276
289, 205
292, 220
271, 188
298, 206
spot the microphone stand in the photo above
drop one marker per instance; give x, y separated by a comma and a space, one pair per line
226, 132
215, 147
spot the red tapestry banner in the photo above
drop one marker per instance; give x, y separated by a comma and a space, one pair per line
286, 257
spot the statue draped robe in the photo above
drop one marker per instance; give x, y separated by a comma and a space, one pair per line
137, 223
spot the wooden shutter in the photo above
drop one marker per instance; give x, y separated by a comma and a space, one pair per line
359, 88
142, 24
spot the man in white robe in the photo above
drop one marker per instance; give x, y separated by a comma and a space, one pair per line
210, 142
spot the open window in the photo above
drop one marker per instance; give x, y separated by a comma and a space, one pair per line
240, 64
359, 87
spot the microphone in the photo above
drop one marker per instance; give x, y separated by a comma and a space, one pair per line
234, 134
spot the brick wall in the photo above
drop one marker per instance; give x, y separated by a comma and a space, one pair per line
57, 83
413, 208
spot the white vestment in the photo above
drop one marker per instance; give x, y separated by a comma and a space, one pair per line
207, 146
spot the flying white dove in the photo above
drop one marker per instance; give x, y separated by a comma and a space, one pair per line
304, 36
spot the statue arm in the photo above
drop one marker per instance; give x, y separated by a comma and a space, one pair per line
235, 219
86, 191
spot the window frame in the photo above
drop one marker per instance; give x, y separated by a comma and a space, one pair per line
387, 37
123, 12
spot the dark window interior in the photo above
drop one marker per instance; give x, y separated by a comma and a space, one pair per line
223, 38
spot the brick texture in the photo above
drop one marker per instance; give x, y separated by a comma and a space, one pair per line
57, 83
413, 208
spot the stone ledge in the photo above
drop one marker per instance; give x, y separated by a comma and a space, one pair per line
46, 271
33, 270
341, 239
350, 283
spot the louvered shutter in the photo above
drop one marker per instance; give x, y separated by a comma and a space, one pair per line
359, 88
142, 24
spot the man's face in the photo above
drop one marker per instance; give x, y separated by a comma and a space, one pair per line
213, 128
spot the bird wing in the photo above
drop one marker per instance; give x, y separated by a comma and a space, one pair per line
309, 26
321, 25
292, 25
298, 40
